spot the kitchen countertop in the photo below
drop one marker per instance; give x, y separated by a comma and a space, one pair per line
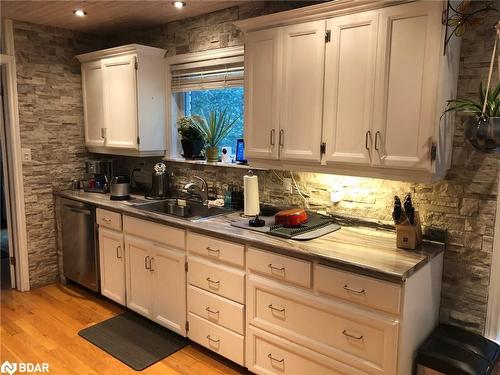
357, 248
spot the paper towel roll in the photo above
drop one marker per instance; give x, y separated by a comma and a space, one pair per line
251, 192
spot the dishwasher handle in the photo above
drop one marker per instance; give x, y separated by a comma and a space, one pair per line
78, 210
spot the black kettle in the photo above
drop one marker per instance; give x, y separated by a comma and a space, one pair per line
159, 182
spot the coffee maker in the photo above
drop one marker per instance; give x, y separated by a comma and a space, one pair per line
97, 176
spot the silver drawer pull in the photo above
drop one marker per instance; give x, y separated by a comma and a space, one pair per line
151, 264
119, 252
146, 260
213, 281
213, 340
345, 333
274, 268
211, 311
270, 356
357, 291
282, 310
106, 220
216, 252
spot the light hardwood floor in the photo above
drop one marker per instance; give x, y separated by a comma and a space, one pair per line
42, 326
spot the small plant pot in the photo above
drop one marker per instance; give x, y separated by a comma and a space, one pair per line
192, 147
212, 154
484, 133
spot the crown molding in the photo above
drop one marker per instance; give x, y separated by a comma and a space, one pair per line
120, 51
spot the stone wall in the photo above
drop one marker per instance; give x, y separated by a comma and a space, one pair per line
51, 124
464, 203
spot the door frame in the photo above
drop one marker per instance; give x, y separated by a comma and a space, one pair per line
14, 163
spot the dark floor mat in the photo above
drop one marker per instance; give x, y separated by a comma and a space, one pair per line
134, 340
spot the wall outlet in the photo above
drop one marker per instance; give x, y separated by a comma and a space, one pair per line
26, 154
287, 184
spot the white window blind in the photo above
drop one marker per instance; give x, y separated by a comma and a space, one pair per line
207, 75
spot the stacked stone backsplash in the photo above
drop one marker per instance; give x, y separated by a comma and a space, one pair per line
51, 125
464, 203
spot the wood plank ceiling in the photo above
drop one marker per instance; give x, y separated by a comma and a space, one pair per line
106, 17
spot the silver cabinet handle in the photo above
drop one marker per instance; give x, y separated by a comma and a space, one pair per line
274, 268
271, 135
270, 356
151, 264
211, 311
282, 138
357, 291
213, 340
367, 135
282, 310
210, 281
119, 252
377, 134
106, 220
146, 260
345, 333
103, 133
213, 251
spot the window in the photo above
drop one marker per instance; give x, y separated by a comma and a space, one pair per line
201, 84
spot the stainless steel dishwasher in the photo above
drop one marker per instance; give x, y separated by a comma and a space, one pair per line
79, 240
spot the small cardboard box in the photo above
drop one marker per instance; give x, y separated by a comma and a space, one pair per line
409, 236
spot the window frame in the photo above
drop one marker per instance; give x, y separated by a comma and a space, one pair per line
202, 59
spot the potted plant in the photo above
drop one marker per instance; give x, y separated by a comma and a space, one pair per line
191, 139
214, 129
483, 130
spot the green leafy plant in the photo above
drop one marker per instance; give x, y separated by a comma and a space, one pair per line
471, 106
187, 129
215, 127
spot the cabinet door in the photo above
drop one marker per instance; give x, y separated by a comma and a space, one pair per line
120, 101
302, 93
112, 265
169, 288
349, 87
410, 48
138, 256
93, 103
262, 89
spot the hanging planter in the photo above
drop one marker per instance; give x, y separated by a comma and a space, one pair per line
483, 130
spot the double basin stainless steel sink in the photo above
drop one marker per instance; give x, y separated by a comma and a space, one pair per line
186, 209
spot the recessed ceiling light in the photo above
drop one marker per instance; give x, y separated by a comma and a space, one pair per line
179, 4
79, 12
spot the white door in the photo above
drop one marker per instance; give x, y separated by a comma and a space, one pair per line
349, 87
169, 288
302, 93
112, 265
263, 58
120, 101
138, 274
93, 103
410, 48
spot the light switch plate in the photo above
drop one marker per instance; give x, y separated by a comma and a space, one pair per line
26, 153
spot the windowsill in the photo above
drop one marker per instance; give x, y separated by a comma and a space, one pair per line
213, 164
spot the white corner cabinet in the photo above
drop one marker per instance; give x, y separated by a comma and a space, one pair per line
351, 88
124, 100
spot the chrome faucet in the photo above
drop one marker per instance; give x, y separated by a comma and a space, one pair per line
201, 192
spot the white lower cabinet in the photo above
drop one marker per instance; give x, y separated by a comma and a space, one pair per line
112, 265
156, 281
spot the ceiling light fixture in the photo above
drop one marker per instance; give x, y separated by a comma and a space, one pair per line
79, 13
179, 4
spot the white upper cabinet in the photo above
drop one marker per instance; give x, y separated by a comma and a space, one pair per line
349, 87
302, 92
368, 85
124, 100
408, 73
262, 87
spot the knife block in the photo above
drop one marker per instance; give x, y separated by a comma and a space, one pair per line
409, 236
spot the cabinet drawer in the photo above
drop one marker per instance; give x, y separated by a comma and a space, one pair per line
293, 270
361, 339
216, 309
109, 219
270, 354
155, 232
222, 341
217, 278
214, 248
363, 290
